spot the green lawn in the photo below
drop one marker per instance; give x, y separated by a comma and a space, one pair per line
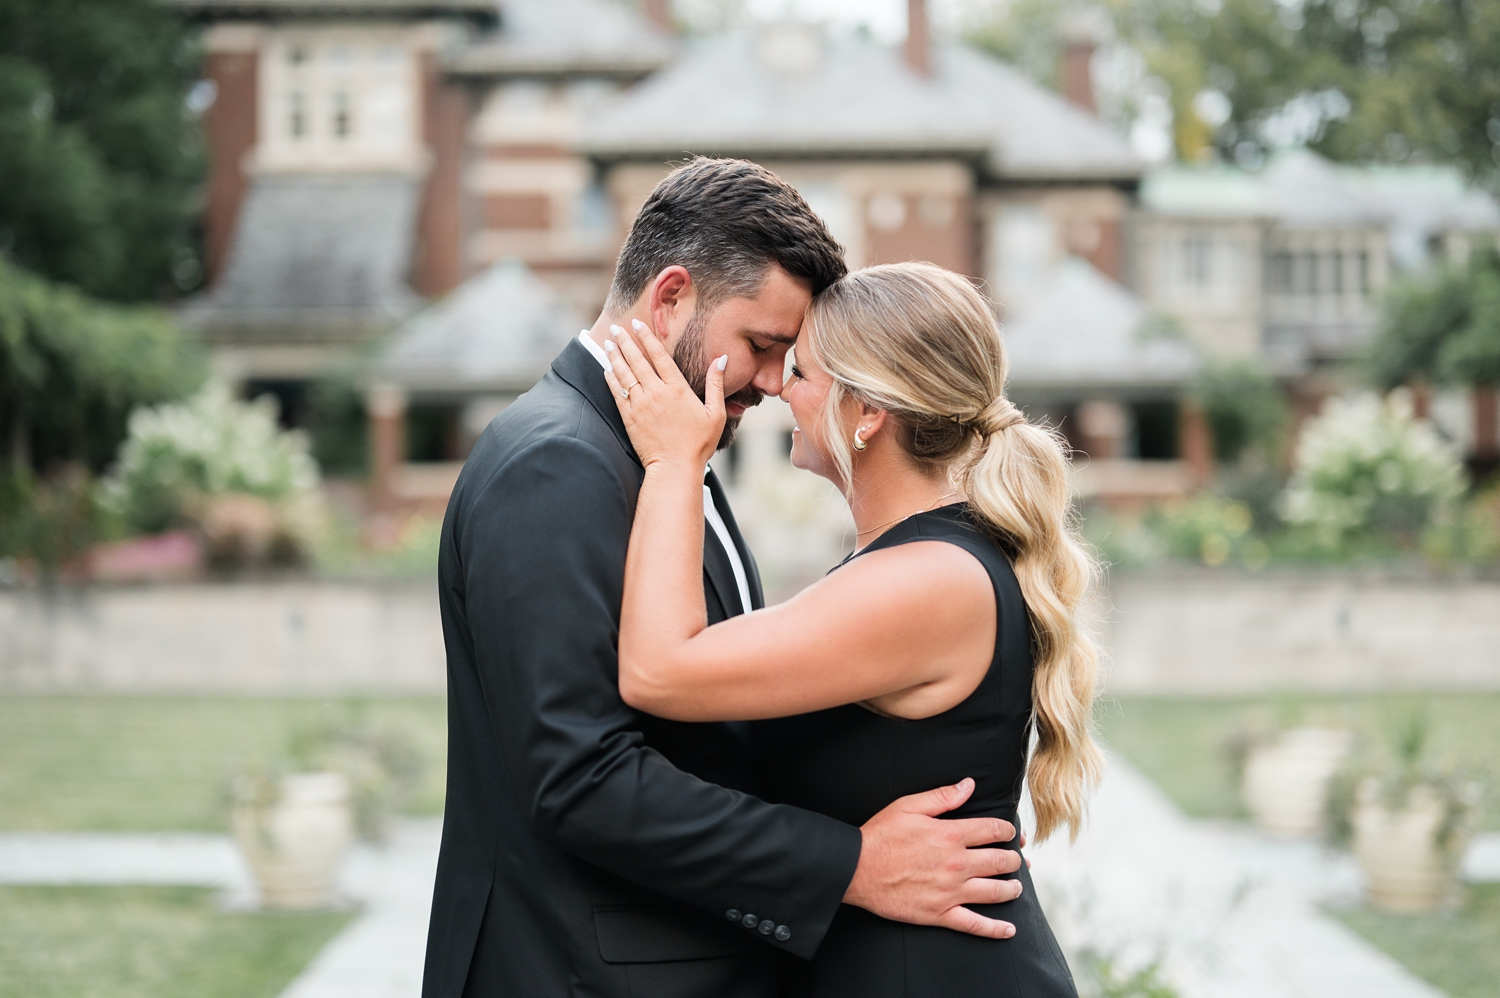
148, 942
1459, 952
160, 763
1180, 742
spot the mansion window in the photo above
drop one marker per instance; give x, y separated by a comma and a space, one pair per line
1315, 273
1197, 260
339, 101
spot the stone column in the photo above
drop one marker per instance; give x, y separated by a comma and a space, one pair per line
1103, 425
1486, 423
386, 408
1195, 444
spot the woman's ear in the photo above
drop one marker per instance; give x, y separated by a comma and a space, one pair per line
872, 420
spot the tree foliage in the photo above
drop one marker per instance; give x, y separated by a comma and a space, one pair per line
72, 370
1244, 407
1442, 328
1360, 80
99, 154
1356, 79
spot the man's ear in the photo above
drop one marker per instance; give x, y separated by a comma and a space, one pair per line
670, 300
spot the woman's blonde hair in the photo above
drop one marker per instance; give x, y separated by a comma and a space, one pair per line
922, 344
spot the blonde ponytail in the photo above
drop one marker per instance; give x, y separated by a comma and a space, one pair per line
919, 342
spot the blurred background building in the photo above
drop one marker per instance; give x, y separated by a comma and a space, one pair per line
366, 158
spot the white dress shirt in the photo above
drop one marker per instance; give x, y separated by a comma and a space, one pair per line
710, 511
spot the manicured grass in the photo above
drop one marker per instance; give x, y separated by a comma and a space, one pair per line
1458, 952
148, 942
160, 763
1180, 742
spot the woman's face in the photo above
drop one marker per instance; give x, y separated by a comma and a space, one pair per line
806, 391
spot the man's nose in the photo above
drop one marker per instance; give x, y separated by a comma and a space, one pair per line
768, 378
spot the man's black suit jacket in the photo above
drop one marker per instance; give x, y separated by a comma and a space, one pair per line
589, 849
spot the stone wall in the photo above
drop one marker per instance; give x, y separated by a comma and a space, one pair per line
1222, 633
1196, 633
255, 638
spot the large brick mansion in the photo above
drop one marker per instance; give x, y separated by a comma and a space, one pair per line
372, 156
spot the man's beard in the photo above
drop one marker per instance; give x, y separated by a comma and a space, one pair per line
692, 360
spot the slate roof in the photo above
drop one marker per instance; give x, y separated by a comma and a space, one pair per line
768, 92
1079, 329
497, 332
551, 37
484, 10
1299, 188
323, 255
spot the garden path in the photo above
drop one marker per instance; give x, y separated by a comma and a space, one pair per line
1224, 912
1228, 913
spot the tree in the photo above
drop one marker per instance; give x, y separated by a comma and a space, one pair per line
1360, 80
99, 153
1244, 407
1355, 79
72, 370
1444, 328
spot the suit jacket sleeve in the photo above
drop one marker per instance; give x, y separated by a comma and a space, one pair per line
543, 548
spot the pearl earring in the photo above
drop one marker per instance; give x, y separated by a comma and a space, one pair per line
859, 441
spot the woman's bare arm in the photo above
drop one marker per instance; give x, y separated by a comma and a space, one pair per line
910, 630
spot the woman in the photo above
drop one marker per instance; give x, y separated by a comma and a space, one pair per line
931, 654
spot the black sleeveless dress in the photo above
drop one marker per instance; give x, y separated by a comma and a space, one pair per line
850, 763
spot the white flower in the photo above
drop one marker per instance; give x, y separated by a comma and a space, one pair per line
1362, 452
212, 444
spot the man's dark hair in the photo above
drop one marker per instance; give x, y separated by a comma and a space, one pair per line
726, 221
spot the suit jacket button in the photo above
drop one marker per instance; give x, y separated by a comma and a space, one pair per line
733, 914
767, 926
783, 933
749, 921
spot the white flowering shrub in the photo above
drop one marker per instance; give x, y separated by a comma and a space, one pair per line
209, 445
1366, 467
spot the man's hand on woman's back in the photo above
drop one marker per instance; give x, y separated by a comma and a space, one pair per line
916, 867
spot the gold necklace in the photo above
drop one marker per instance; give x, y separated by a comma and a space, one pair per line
908, 516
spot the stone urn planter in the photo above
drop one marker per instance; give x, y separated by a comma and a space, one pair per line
294, 833
1410, 852
1286, 779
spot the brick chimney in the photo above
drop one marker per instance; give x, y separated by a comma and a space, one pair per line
918, 49
1077, 79
659, 13
1083, 31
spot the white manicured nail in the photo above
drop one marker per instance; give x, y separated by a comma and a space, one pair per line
609, 346
722, 362
640, 326
616, 331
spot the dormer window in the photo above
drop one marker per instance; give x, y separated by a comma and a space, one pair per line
340, 98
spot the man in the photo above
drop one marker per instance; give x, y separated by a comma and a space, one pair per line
588, 849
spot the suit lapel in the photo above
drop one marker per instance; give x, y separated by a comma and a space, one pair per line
577, 367
752, 573
719, 573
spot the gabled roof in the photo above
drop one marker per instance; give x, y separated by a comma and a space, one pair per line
1300, 189
483, 11
552, 37
497, 332
790, 89
1079, 329
318, 254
